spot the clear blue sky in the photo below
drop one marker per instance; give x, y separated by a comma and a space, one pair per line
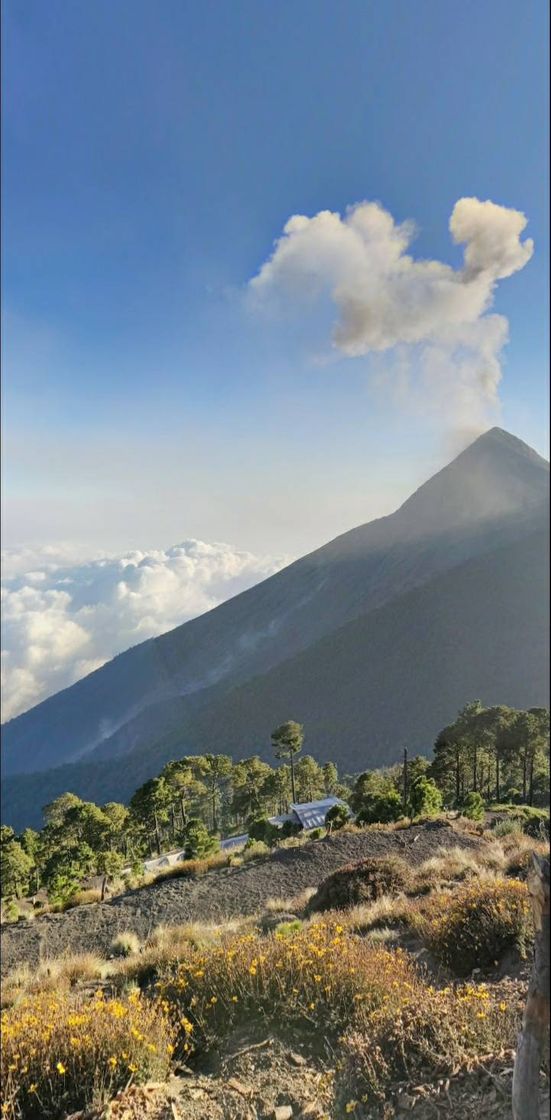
152, 151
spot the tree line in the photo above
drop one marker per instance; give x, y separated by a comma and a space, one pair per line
486, 754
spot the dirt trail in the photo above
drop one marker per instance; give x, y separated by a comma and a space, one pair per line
216, 896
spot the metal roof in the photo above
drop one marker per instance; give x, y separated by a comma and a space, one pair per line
312, 814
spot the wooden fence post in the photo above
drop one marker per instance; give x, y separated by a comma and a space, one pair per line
535, 1025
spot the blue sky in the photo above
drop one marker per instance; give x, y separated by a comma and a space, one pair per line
152, 152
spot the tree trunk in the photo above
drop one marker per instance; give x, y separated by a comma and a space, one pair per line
157, 835
535, 1027
183, 811
214, 821
292, 777
524, 772
103, 886
531, 782
475, 763
457, 779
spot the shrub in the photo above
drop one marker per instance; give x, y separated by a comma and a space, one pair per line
336, 817
125, 944
198, 841
60, 1055
478, 924
329, 980
382, 809
425, 799
289, 829
472, 806
263, 830
360, 882
10, 911
509, 827
432, 1033
255, 849
317, 833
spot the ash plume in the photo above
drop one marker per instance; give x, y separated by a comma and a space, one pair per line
430, 322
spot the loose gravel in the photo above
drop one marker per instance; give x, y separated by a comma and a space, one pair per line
217, 896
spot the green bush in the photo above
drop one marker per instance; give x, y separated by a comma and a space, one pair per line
383, 809
364, 881
289, 829
317, 833
425, 799
263, 830
473, 806
336, 817
198, 841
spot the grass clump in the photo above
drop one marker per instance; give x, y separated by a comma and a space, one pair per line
191, 868
60, 1055
82, 898
476, 925
125, 944
365, 881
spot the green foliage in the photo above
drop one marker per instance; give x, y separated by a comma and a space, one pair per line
381, 810
289, 829
472, 806
262, 829
287, 740
330, 776
317, 833
65, 870
425, 799
15, 866
198, 841
336, 817
364, 881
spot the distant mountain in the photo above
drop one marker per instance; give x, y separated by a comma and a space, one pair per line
374, 639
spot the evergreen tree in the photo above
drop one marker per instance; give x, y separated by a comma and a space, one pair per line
287, 740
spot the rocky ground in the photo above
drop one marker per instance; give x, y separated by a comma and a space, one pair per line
267, 1080
217, 896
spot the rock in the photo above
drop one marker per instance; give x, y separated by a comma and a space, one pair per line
282, 1112
239, 1087
296, 1059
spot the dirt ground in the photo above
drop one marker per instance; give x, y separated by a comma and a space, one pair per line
217, 896
267, 1080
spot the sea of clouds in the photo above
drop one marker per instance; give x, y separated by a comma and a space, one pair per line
63, 616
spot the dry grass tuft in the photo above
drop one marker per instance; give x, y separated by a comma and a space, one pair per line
477, 924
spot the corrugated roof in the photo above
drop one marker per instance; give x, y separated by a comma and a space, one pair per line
312, 814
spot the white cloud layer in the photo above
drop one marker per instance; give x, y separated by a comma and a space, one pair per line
432, 318
63, 617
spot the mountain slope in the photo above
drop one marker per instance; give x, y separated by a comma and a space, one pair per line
394, 676
492, 494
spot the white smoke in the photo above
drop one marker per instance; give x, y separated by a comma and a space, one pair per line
431, 318
62, 620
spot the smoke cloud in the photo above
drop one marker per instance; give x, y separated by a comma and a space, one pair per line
62, 620
432, 321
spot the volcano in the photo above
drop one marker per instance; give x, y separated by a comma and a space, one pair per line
372, 641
